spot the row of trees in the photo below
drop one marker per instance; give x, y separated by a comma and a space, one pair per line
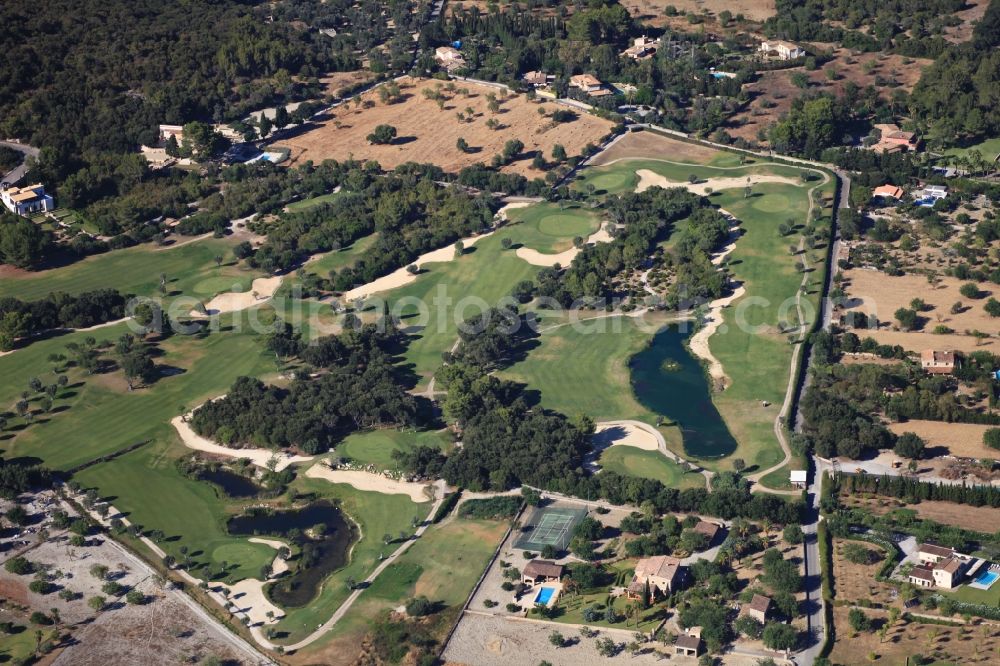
20, 319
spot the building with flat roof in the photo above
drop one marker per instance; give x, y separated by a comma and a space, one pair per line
799, 478
26, 200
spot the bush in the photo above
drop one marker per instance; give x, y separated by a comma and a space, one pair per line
19, 565
793, 534
420, 606
39, 617
858, 620
991, 438
909, 445
382, 134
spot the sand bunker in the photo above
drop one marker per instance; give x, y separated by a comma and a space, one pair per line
648, 179
402, 276
279, 565
502, 213
624, 433
368, 481
248, 599
565, 258
258, 457
233, 301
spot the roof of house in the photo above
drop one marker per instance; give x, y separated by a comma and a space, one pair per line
661, 566
543, 568
760, 603
921, 572
952, 565
934, 549
707, 528
536, 77
889, 191
780, 42
928, 356
688, 642
584, 80
799, 476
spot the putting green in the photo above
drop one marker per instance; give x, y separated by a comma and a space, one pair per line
217, 285
562, 224
613, 181
771, 203
241, 552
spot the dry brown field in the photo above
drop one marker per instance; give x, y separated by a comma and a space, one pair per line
960, 439
427, 133
852, 582
917, 342
336, 82
975, 518
963, 33
650, 145
649, 10
777, 86
884, 294
942, 643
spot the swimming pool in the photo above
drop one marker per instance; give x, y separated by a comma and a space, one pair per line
986, 578
544, 595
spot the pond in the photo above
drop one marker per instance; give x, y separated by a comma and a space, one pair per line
232, 484
320, 556
668, 380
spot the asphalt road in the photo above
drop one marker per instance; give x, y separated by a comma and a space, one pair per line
15, 175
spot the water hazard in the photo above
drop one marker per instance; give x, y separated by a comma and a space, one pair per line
668, 380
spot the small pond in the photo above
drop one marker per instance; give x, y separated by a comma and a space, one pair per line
668, 380
320, 556
232, 484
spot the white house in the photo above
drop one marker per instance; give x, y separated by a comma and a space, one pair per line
642, 48
26, 200
799, 478
449, 57
589, 84
783, 50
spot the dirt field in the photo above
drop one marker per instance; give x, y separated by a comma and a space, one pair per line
887, 293
652, 145
963, 33
938, 643
335, 82
960, 439
426, 133
647, 10
857, 581
976, 518
777, 86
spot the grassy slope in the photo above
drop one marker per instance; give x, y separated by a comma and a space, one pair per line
631, 461
137, 271
376, 447
335, 261
306, 204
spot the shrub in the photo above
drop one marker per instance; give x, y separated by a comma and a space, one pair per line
420, 606
382, 134
858, 620
991, 438
909, 445
19, 565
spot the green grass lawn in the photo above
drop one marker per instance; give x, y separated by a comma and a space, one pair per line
20, 647
547, 228
990, 148
443, 565
584, 369
306, 204
137, 271
340, 259
483, 275
631, 461
971, 595
376, 447
376, 514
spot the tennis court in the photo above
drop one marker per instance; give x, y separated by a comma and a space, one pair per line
551, 526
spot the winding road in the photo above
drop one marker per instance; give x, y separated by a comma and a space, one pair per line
14, 176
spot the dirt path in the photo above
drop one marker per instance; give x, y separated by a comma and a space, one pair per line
259, 457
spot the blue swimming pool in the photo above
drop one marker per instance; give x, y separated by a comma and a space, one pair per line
986, 578
544, 595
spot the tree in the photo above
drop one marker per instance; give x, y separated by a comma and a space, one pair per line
22, 243
135, 597
382, 134
462, 145
739, 465
910, 445
97, 603
858, 620
991, 438
558, 153
557, 639
264, 126
793, 534
778, 636
970, 290
907, 318
992, 307
281, 118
